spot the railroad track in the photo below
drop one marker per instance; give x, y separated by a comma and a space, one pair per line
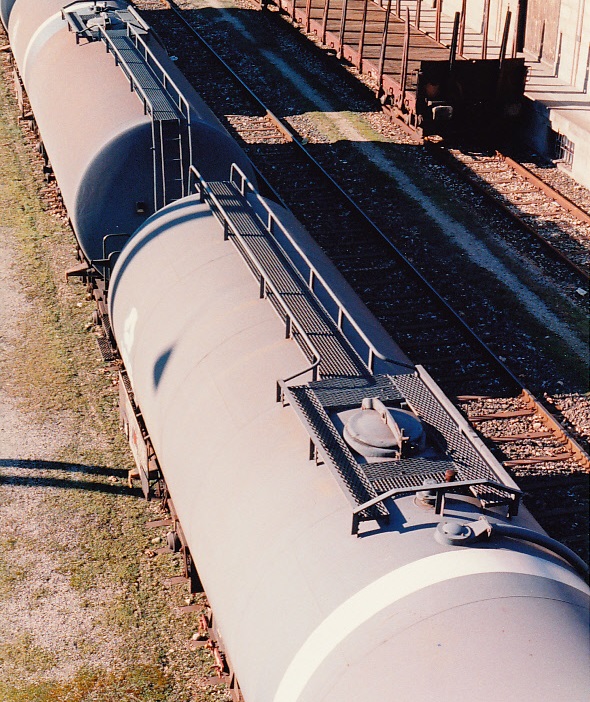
547, 463
560, 226
546, 214
421, 322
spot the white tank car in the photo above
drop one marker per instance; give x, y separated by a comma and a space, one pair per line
419, 608
97, 135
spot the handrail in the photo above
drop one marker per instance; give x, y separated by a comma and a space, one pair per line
166, 80
204, 187
314, 274
438, 490
133, 32
129, 71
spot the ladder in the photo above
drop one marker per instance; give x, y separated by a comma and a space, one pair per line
125, 34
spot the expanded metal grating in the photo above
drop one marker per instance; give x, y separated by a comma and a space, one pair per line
261, 252
448, 447
470, 465
161, 106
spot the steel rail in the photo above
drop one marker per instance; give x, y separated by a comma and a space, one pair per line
564, 201
471, 176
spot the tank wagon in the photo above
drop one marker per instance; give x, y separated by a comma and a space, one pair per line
355, 538
117, 120
430, 87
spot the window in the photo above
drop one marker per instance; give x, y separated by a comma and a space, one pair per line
563, 149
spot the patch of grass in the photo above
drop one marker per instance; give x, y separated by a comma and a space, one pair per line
91, 526
141, 682
10, 575
12, 570
23, 656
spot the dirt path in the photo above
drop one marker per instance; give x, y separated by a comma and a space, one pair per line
84, 608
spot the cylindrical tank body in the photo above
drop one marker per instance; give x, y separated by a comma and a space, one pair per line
307, 612
95, 131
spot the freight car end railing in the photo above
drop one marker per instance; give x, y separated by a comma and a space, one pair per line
161, 97
313, 277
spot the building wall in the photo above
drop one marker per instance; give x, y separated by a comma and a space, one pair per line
556, 31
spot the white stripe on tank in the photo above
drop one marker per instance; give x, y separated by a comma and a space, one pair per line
396, 585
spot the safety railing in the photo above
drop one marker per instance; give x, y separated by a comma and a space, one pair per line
134, 32
313, 278
129, 72
438, 491
171, 88
293, 327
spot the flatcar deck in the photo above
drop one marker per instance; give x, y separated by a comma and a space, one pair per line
424, 71
355, 29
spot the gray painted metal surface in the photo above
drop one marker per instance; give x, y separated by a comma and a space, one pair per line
5, 10
307, 612
96, 134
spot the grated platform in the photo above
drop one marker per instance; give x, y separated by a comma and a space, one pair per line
448, 447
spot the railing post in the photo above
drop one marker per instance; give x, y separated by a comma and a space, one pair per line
342, 28
288, 327
262, 286
384, 45
405, 59
486, 29
418, 14
362, 36
293, 11
454, 40
541, 43
461, 44
325, 20
505, 33
398, 7
437, 23
307, 15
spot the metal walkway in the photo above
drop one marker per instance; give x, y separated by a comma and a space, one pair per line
452, 462
343, 377
332, 341
305, 320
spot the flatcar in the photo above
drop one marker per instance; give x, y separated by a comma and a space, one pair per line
430, 87
356, 540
